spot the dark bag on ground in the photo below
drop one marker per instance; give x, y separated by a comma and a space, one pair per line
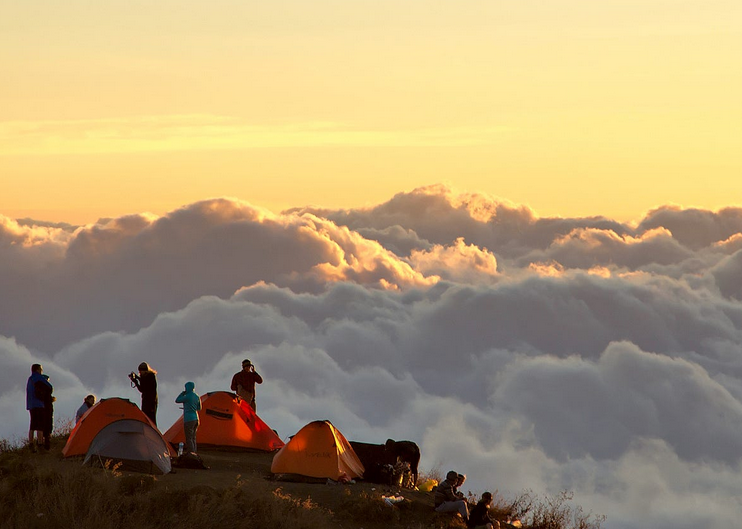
190, 460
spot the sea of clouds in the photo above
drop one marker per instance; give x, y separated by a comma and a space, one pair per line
550, 354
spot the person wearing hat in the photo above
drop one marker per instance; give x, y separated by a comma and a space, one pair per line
146, 383
87, 403
243, 383
480, 515
445, 498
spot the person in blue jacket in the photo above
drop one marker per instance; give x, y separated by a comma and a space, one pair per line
191, 406
38, 403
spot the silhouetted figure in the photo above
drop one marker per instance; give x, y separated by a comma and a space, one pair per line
87, 403
39, 405
243, 383
445, 498
405, 451
459, 481
480, 515
146, 383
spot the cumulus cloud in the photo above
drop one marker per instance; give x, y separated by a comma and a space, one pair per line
458, 262
529, 353
120, 274
695, 228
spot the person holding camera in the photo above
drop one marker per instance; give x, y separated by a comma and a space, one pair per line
146, 383
243, 383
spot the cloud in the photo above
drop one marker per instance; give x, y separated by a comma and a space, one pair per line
458, 262
208, 132
528, 353
695, 228
121, 273
590, 247
439, 215
627, 394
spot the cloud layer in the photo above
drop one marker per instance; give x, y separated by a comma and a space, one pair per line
527, 352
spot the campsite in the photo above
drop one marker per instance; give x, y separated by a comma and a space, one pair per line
238, 489
115, 468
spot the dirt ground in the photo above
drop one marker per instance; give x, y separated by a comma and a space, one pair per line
252, 470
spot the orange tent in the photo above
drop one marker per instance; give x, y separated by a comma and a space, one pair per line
103, 413
318, 450
227, 421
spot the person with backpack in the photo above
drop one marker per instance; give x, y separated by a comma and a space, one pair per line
39, 405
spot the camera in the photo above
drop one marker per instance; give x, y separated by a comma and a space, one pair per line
133, 376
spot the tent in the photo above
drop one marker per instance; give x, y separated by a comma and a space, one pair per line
133, 445
103, 413
226, 421
318, 450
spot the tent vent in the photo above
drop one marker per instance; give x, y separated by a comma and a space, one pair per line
219, 414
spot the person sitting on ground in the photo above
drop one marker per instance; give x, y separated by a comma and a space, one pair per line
480, 515
459, 481
191, 404
87, 403
445, 498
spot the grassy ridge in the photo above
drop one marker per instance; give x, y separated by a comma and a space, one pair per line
41, 491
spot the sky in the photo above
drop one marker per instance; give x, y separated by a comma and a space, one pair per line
574, 107
508, 231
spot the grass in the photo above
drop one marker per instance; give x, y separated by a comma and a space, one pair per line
42, 491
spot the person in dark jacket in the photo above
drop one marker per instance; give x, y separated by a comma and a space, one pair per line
44, 389
146, 383
480, 518
38, 392
243, 383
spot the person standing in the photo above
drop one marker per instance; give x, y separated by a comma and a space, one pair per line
146, 383
44, 390
191, 405
243, 383
37, 387
87, 403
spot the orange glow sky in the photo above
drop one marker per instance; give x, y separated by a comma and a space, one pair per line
574, 107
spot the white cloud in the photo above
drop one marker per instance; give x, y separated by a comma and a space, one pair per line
551, 354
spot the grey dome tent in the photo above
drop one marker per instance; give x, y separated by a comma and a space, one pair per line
134, 444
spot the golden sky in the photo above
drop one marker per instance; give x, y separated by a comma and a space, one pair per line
574, 107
